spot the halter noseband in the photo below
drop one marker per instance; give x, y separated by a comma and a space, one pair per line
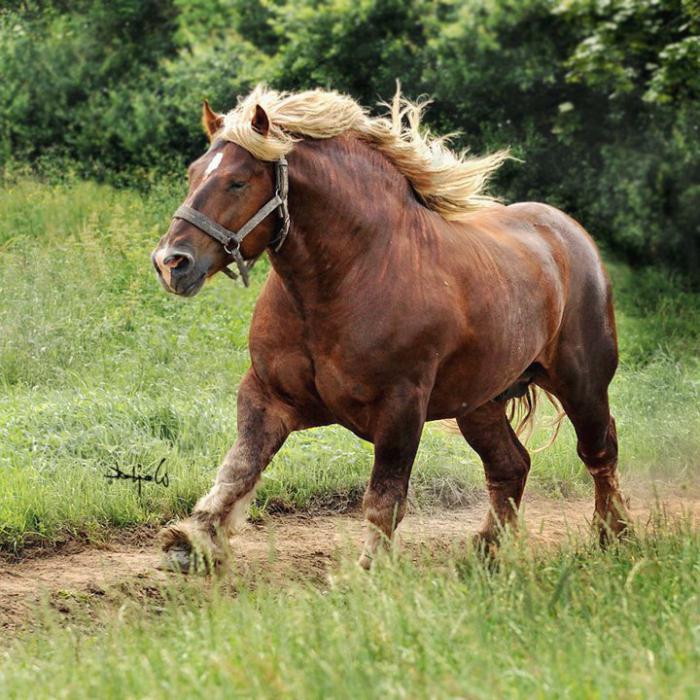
231, 240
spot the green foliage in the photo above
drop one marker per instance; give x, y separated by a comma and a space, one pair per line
645, 197
640, 65
359, 47
598, 98
634, 47
59, 69
498, 76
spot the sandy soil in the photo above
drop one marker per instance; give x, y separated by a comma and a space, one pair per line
283, 548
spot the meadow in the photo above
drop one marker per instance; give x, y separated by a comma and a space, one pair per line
100, 368
570, 623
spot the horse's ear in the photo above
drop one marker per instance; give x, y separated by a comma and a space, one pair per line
211, 121
260, 122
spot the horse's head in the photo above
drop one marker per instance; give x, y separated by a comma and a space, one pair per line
228, 186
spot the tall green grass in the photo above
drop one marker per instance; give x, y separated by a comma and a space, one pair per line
575, 623
99, 367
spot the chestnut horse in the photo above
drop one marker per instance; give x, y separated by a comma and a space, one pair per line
399, 294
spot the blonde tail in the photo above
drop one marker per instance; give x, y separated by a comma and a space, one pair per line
522, 412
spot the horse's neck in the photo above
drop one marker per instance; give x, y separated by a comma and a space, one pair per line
347, 203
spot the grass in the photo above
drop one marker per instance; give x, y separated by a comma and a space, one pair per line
575, 622
99, 367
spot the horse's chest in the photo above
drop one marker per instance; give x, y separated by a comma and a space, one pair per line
340, 382
349, 390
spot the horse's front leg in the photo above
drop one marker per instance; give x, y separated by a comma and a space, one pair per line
263, 425
396, 441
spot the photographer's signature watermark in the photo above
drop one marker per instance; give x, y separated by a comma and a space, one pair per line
159, 476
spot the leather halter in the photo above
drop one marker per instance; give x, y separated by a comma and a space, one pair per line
231, 240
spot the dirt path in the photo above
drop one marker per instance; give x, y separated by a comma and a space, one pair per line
292, 546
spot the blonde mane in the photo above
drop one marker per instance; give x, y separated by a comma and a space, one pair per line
452, 184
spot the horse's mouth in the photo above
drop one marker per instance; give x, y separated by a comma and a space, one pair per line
193, 288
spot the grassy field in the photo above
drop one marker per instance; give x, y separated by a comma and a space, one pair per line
99, 367
572, 623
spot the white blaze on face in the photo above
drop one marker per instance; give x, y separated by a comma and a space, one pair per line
164, 269
213, 164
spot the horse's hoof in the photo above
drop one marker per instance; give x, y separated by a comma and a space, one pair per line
619, 531
365, 561
486, 538
486, 544
178, 559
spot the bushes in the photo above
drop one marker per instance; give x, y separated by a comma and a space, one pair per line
638, 63
61, 69
599, 99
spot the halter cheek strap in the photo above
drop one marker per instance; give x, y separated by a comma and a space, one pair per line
231, 240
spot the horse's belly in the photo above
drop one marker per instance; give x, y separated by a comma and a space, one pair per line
478, 372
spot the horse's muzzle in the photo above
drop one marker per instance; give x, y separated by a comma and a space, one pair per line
178, 271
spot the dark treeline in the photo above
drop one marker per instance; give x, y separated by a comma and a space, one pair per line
600, 99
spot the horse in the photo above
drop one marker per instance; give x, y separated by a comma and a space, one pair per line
400, 292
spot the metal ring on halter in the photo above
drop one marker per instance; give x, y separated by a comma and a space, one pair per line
235, 250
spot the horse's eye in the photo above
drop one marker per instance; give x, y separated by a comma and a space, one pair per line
235, 185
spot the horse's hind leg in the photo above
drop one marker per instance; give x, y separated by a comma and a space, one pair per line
579, 376
506, 464
263, 426
597, 448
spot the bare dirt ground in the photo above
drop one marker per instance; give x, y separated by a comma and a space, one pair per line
286, 548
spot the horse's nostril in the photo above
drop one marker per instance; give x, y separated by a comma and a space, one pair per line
177, 262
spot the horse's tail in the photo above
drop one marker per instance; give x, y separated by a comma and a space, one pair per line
521, 412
